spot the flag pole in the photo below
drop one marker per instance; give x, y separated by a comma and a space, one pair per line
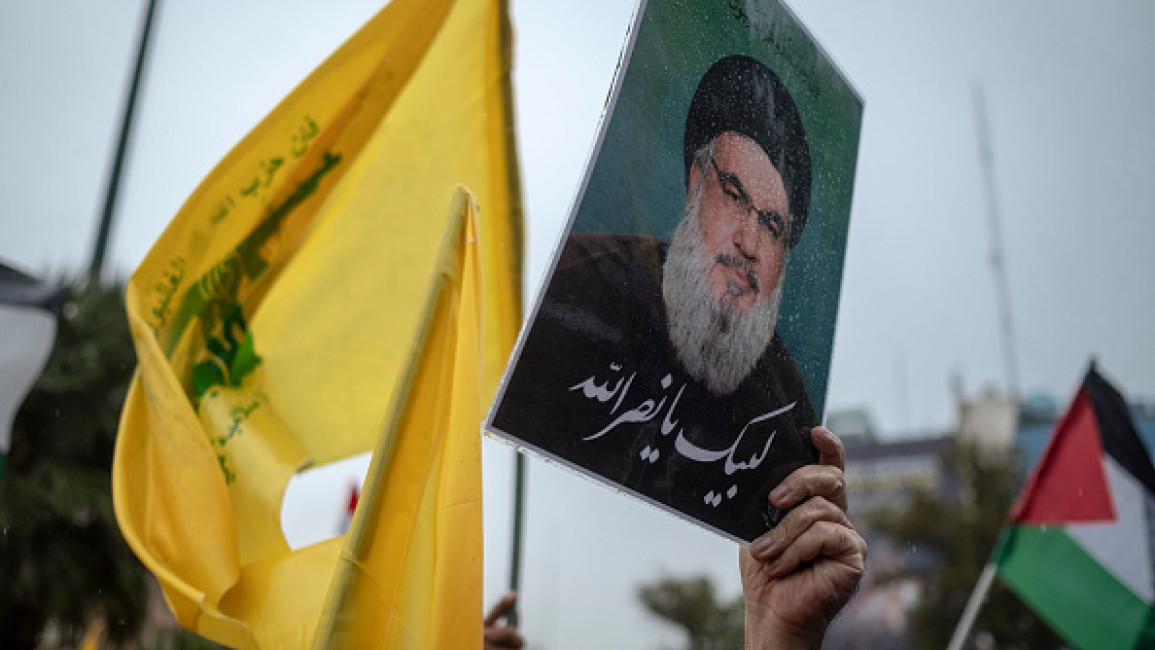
100, 249
518, 518
513, 179
978, 596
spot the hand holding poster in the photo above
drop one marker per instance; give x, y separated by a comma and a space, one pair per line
681, 347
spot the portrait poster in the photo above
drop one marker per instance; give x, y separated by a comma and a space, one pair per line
680, 349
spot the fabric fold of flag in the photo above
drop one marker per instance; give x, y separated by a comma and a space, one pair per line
272, 317
411, 571
1079, 548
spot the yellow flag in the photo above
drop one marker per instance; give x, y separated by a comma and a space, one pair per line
411, 571
273, 317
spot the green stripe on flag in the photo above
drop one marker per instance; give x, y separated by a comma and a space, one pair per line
1147, 634
1074, 594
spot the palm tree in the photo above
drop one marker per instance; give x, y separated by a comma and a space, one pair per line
691, 604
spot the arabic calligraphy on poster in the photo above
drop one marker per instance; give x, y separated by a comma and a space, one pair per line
648, 409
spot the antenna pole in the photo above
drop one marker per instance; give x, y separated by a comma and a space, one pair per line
998, 263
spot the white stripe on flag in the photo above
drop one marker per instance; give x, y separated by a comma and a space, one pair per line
24, 347
1121, 546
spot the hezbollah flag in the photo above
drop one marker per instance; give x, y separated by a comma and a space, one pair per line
275, 317
408, 573
1079, 550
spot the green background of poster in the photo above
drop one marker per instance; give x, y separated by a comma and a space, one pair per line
637, 184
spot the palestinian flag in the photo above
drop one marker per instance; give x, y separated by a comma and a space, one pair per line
27, 330
1079, 549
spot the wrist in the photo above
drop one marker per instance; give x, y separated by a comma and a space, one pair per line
764, 631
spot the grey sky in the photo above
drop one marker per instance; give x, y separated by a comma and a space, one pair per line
1071, 103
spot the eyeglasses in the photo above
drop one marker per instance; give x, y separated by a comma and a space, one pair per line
732, 187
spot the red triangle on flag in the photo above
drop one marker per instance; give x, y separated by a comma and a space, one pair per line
1068, 485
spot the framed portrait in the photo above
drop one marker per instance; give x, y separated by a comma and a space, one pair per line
680, 348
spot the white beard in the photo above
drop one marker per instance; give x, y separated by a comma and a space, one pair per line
716, 342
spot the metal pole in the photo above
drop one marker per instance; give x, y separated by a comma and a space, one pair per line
963, 630
99, 251
518, 516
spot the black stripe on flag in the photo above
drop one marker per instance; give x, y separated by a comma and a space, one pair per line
21, 289
1120, 438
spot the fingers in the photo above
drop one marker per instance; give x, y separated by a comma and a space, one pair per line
502, 608
826, 481
822, 540
823, 480
771, 545
503, 637
830, 449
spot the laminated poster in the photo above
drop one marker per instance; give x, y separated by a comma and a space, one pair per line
680, 348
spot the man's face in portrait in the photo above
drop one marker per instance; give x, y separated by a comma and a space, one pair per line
742, 220
723, 275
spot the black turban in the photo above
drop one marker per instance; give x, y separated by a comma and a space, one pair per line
742, 95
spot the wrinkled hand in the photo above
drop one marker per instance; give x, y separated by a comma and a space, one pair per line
500, 635
797, 576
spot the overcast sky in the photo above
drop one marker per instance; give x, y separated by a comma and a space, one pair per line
1071, 103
